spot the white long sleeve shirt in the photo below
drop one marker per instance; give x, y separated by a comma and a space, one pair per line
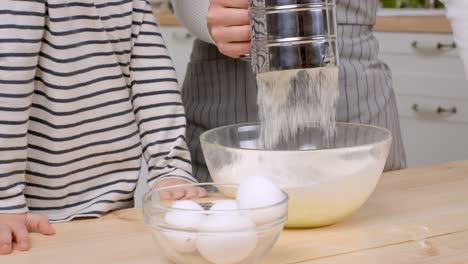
86, 87
192, 15
457, 12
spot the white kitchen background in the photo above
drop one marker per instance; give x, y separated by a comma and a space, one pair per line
429, 82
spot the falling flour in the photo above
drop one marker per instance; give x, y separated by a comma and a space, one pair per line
293, 100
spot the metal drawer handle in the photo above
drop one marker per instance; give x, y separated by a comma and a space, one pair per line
439, 110
442, 46
439, 45
245, 57
181, 35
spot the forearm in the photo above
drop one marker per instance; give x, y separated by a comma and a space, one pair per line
158, 106
20, 42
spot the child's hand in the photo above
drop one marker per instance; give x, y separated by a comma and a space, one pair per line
182, 193
16, 227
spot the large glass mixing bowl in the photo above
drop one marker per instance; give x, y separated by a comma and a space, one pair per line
326, 180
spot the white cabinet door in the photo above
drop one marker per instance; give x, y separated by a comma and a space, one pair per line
438, 76
420, 68
428, 142
417, 44
179, 43
427, 79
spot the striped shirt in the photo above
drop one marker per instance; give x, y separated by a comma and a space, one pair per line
86, 88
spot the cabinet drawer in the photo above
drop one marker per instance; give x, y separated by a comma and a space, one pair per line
438, 66
431, 137
433, 77
425, 45
427, 143
433, 109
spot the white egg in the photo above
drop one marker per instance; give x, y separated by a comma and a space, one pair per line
181, 241
218, 241
255, 192
185, 219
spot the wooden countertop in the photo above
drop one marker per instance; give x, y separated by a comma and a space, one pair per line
416, 24
167, 19
381, 232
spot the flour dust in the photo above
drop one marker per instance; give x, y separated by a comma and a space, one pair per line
293, 100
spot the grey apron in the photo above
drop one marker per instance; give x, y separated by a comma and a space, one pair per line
219, 90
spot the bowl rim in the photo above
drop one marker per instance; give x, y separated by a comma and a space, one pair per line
204, 141
149, 193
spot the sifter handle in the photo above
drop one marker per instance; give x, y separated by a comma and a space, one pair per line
245, 57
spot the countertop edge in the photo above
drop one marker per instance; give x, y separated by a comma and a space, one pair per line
415, 24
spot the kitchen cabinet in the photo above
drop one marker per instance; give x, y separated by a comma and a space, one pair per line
179, 43
432, 95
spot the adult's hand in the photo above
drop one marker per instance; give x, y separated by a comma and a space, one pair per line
229, 25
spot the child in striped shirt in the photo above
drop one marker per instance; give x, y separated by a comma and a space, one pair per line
86, 88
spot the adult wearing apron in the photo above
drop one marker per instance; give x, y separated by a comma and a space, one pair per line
220, 89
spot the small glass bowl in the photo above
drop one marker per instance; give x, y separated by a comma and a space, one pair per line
225, 236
